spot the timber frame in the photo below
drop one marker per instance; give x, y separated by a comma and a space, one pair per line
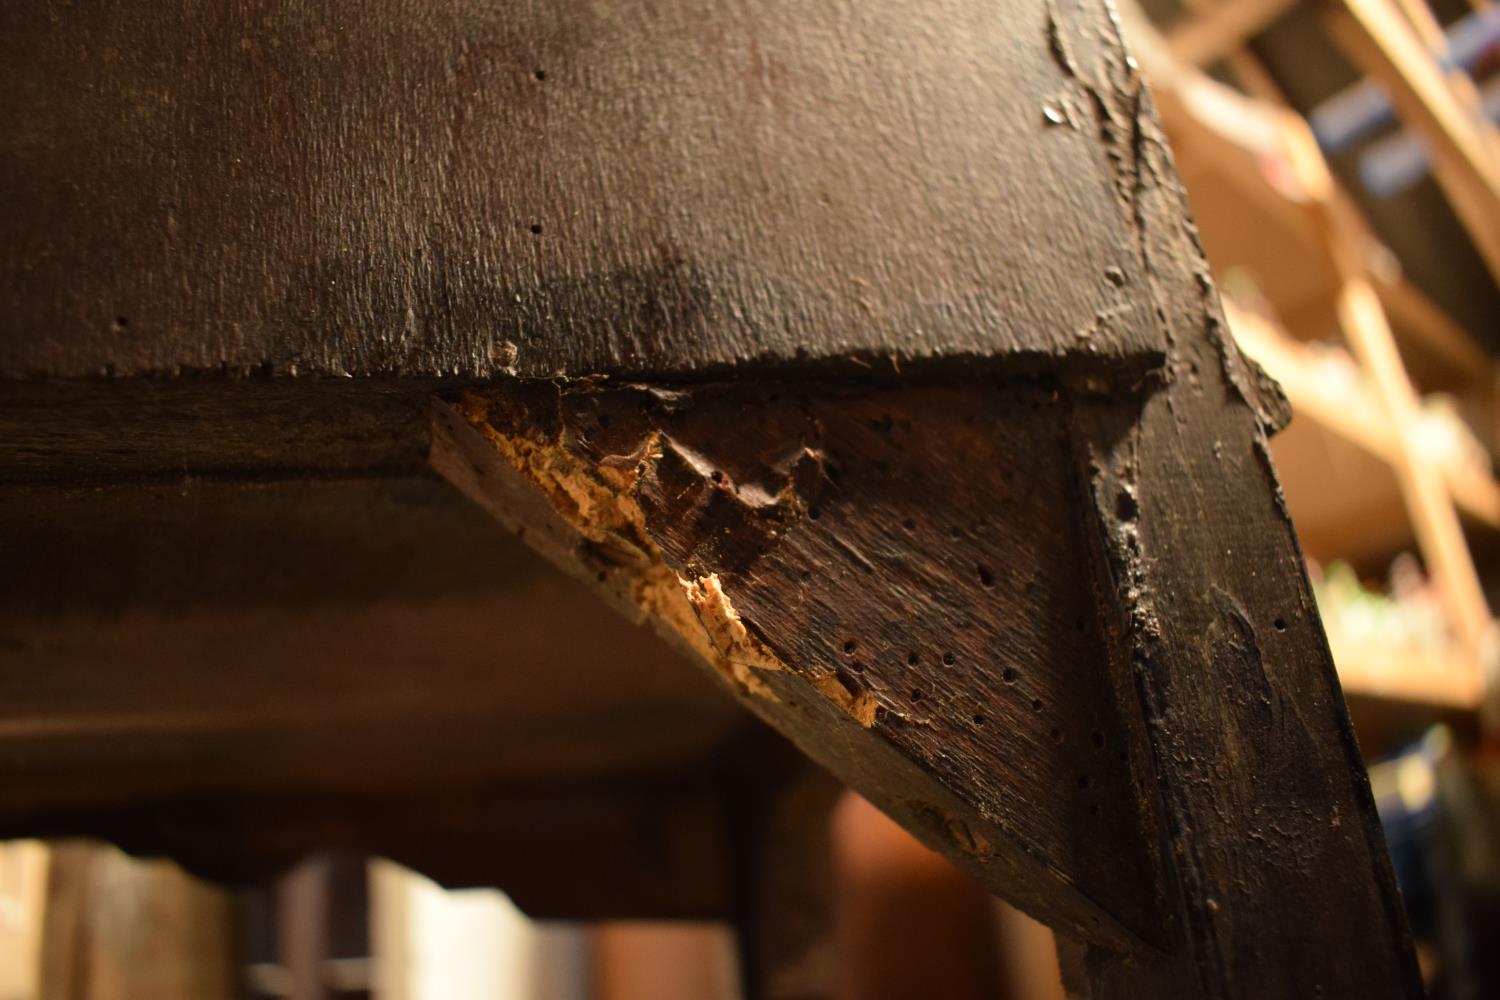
867, 354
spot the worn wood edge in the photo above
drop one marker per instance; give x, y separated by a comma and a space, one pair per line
577, 513
1211, 397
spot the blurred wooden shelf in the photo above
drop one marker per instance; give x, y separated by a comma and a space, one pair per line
1371, 467
1325, 384
1448, 679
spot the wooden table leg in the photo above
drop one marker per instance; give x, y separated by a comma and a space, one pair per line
784, 886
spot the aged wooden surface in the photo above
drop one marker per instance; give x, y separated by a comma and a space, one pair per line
865, 351
463, 188
940, 590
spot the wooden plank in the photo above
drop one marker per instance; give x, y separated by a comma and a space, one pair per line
177, 638
945, 678
787, 896
1380, 41
459, 188
1018, 611
627, 848
924, 664
1014, 615
1431, 508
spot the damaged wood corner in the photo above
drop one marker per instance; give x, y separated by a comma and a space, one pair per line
598, 500
872, 568
973, 600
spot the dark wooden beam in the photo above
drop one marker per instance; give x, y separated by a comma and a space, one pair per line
449, 187
962, 598
865, 351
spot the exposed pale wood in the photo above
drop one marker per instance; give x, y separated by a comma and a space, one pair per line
808, 660
848, 459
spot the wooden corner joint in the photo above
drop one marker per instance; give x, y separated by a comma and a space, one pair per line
891, 573
1059, 633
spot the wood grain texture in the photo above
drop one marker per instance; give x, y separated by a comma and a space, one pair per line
872, 569
455, 187
1015, 612
864, 349
237, 674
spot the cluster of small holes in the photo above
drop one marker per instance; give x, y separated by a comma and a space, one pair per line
1010, 675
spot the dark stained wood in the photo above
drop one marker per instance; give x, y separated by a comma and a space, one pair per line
90, 431
618, 849
823, 520
865, 351
451, 187
204, 636
941, 591
1017, 615
237, 674
784, 892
